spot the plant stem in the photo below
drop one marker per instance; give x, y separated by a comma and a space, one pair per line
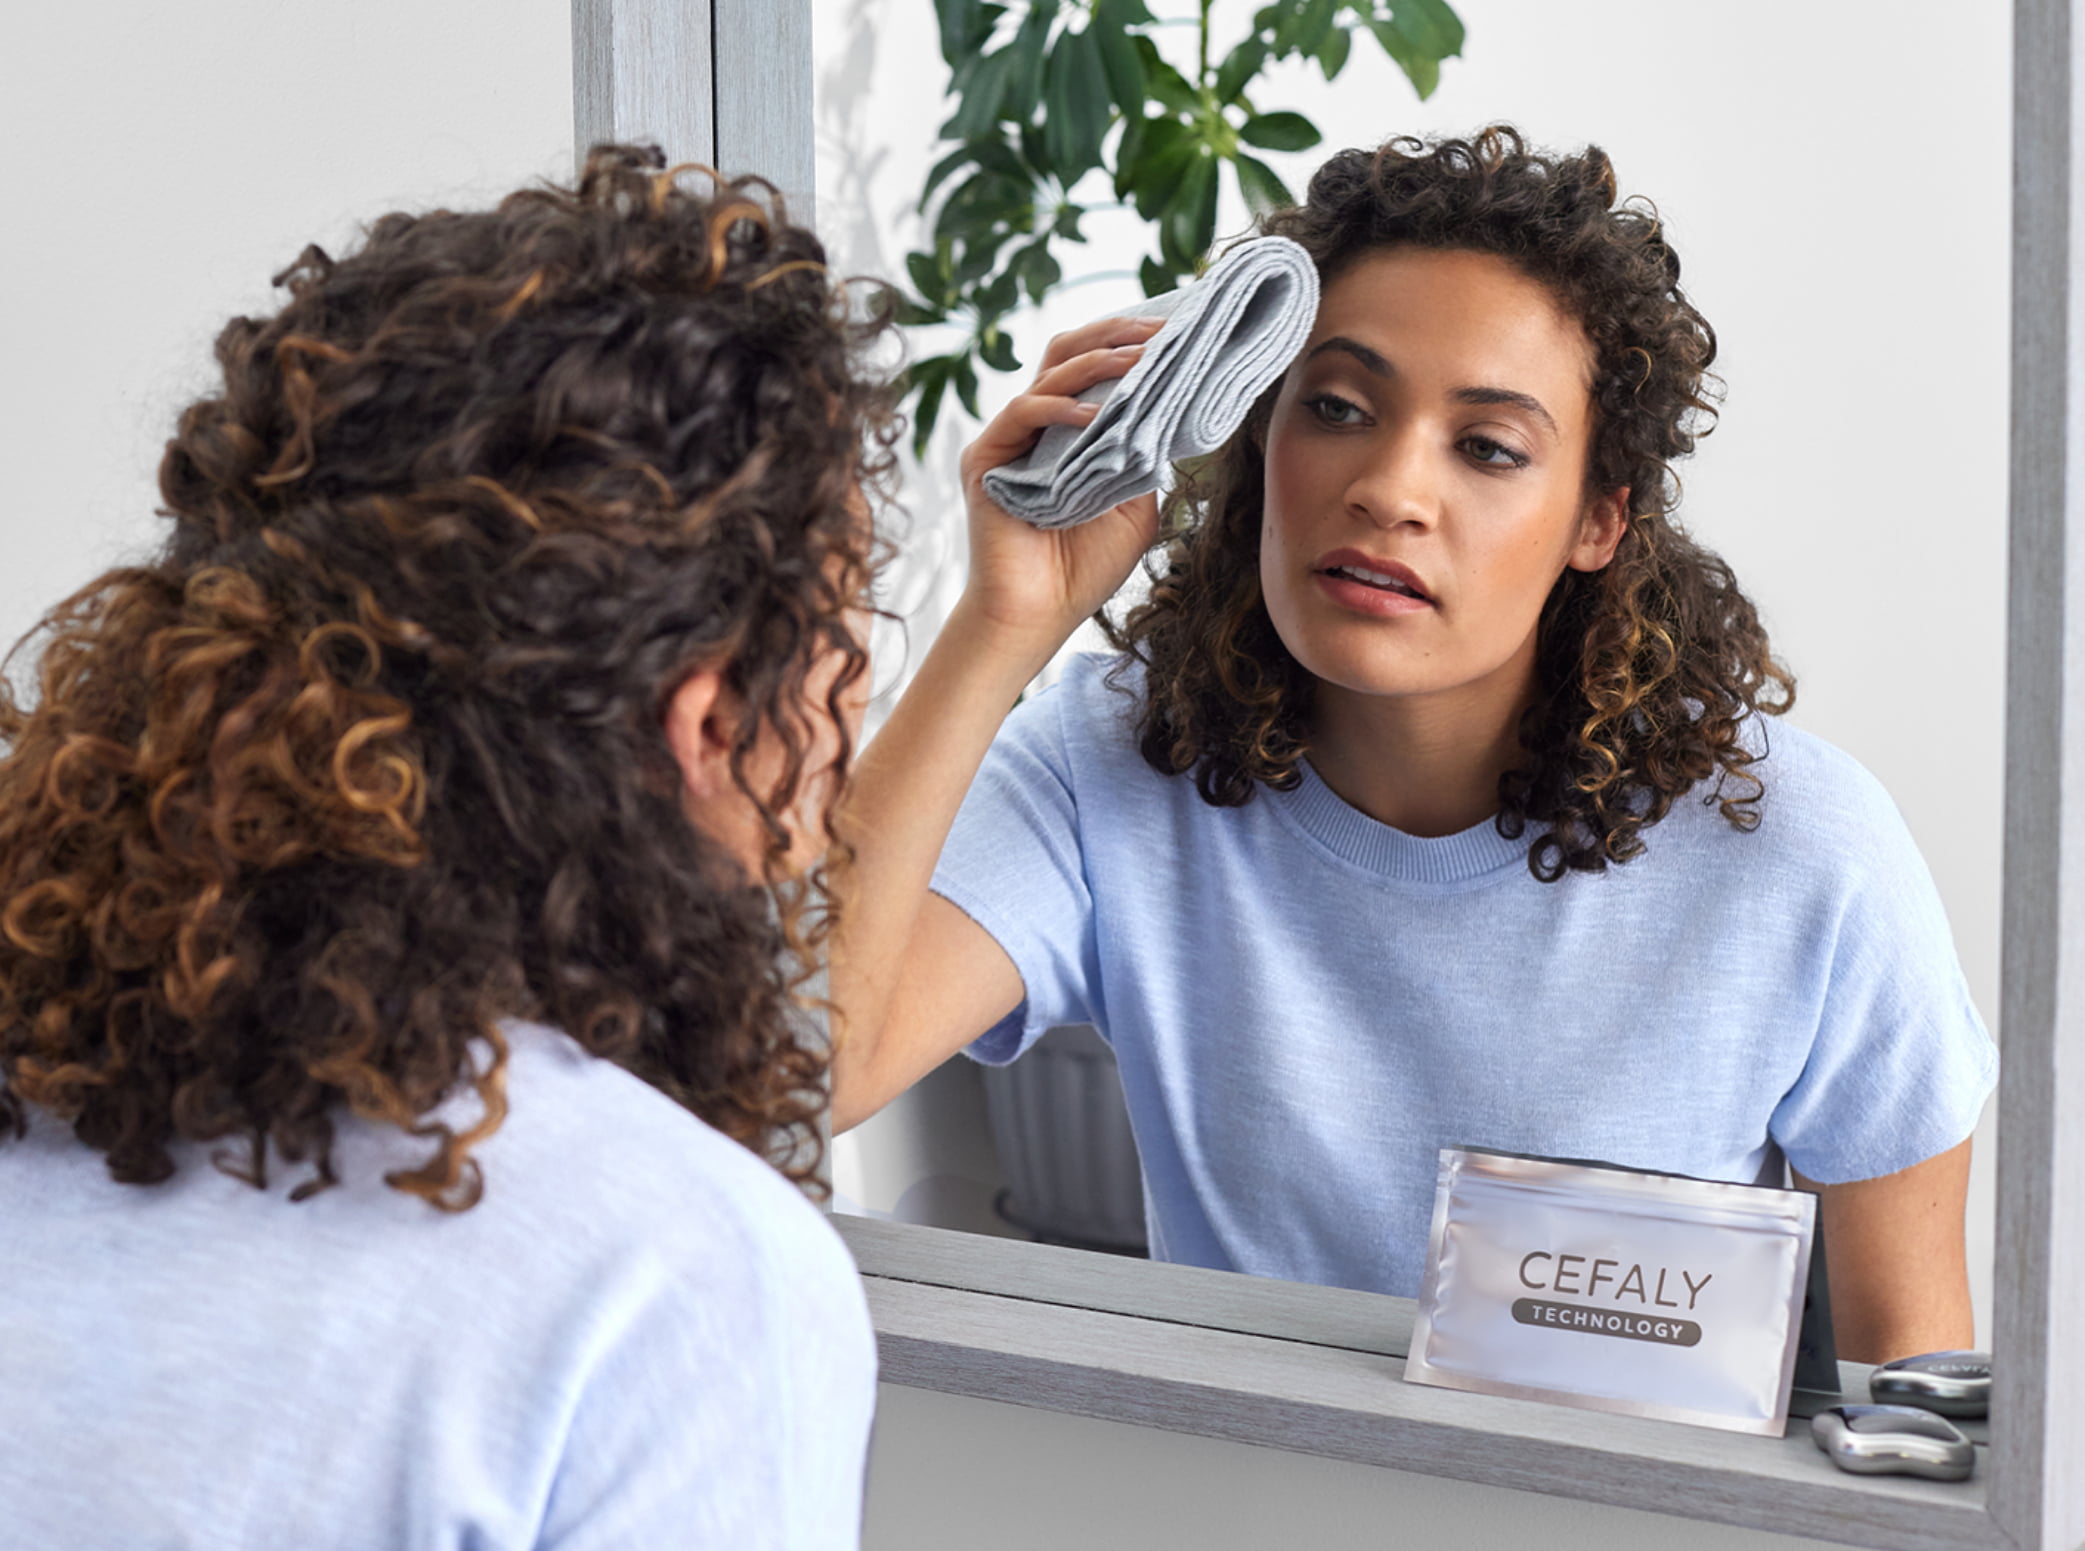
1203, 79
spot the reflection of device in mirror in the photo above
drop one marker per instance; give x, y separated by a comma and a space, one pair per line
1654, 987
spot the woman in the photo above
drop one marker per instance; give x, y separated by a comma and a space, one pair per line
1431, 803
396, 1043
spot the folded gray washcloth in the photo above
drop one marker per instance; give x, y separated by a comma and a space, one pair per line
1226, 338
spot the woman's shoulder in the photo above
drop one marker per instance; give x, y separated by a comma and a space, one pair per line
1082, 715
1816, 781
1089, 687
1817, 805
606, 1156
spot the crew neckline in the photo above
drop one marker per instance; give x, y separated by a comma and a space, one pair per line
1367, 843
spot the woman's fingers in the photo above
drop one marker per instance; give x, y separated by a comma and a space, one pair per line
1049, 402
1102, 334
1014, 429
1082, 371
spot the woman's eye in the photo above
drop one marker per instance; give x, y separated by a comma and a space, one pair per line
1334, 410
1493, 454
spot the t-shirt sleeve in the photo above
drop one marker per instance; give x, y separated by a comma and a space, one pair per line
1901, 1064
731, 1403
1014, 863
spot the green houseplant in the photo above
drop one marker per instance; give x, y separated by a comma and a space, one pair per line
1047, 92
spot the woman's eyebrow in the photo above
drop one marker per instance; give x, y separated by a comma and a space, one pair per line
1526, 401
1371, 359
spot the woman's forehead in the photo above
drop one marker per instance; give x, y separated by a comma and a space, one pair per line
1458, 312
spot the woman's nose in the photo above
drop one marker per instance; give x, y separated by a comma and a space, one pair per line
1399, 483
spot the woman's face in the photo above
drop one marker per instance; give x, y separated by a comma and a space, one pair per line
1425, 477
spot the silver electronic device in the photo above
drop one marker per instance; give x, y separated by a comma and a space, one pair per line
1951, 1383
1893, 1441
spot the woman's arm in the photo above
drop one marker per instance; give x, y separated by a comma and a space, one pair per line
913, 979
1899, 1273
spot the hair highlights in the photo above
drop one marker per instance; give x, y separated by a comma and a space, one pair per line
370, 756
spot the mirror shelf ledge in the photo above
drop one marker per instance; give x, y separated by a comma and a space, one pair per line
1318, 1370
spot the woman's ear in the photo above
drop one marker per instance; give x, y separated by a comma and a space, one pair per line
1600, 530
700, 730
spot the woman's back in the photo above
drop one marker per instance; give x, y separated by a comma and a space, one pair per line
591, 1356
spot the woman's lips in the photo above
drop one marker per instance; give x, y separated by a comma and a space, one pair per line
1367, 585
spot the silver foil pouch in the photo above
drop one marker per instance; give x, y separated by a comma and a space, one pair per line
1647, 1294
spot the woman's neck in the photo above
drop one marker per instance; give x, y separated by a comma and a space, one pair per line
1425, 764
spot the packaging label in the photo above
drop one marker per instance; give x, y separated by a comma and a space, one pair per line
1646, 1294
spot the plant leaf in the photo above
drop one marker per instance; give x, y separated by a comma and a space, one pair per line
961, 157
991, 154
980, 254
1188, 224
982, 98
1315, 23
1025, 83
1280, 132
966, 386
1118, 54
1288, 21
1127, 152
997, 350
1075, 106
1032, 146
912, 315
975, 24
1422, 69
1261, 186
1001, 296
930, 379
1239, 67
1432, 26
984, 203
957, 19
1038, 270
1166, 85
1156, 278
1333, 52
929, 276
1167, 147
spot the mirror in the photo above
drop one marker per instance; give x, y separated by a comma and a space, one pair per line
1856, 271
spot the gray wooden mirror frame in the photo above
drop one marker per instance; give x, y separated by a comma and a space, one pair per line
1317, 1370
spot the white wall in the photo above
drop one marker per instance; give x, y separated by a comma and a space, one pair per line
1838, 188
164, 162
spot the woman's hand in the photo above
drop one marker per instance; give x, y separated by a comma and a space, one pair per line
1034, 585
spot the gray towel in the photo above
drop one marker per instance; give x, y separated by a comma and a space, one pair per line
1226, 338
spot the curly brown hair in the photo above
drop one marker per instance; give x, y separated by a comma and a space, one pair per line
370, 756
1646, 670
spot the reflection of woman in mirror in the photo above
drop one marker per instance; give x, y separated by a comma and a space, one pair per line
1431, 804
390, 1010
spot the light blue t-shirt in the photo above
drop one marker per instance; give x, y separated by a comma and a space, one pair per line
641, 1336
1307, 1005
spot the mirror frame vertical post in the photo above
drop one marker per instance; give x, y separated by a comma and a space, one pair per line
647, 70
641, 71
2038, 1423
764, 106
